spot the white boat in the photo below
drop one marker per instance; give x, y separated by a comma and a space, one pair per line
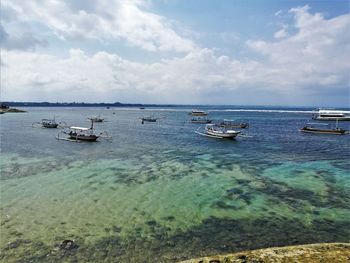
46, 123
49, 123
198, 113
332, 115
215, 131
77, 134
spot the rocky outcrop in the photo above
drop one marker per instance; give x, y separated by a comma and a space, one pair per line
324, 252
11, 110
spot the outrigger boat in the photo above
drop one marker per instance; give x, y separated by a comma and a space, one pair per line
229, 124
215, 131
312, 128
81, 134
96, 118
200, 120
332, 115
148, 119
198, 113
48, 123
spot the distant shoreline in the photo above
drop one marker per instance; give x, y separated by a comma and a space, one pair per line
144, 105
78, 104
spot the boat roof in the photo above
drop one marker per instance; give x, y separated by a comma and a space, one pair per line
79, 128
316, 123
333, 111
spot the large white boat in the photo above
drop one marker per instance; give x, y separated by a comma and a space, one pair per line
332, 115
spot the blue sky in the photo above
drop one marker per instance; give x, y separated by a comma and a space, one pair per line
176, 51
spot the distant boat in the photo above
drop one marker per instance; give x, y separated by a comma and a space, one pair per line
148, 119
229, 124
317, 128
198, 113
48, 123
215, 131
332, 115
142, 108
96, 118
200, 120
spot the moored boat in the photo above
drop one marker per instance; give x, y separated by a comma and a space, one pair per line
215, 131
148, 119
201, 120
229, 124
316, 128
48, 123
198, 113
82, 134
332, 115
76, 134
96, 118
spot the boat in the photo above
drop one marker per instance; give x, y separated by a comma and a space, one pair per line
96, 118
198, 113
76, 134
49, 123
317, 128
46, 123
215, 131
229, 124
82, 134
332, 115
200, 120
148, 119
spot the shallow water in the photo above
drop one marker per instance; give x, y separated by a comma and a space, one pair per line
161, 193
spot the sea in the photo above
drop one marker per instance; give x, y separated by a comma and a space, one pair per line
159, 192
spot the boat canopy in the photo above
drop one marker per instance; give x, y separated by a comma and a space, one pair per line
324, 111
315, 123
79, 128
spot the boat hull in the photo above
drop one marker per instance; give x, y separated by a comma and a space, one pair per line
332, 118
90, 138
149, 120
45, 125
318, 131
201, 121
222, 135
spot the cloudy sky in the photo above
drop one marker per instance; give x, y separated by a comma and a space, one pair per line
176, 51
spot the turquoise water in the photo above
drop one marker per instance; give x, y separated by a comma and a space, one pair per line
161, 193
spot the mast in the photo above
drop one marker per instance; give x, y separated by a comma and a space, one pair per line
92, 124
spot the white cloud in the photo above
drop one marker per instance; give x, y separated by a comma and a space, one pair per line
102, 20
317, 55
281, 33
105, 76
298, 67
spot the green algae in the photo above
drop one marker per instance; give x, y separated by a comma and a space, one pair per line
129, 205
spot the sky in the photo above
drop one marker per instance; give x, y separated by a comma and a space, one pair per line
232, 52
